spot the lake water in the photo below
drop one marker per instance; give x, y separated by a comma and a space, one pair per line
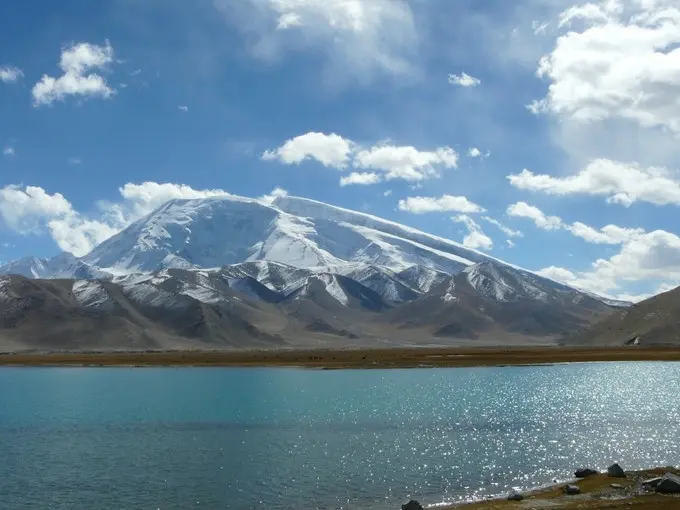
179, 438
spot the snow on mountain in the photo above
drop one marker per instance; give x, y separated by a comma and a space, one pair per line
379, 279
250, 246
92, 295
210, 232
503, 283
217, 231
64, 265
422, 278
273, 275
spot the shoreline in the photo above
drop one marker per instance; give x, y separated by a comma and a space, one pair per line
409, 357
596, 492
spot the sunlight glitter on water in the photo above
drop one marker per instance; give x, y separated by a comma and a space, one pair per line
276, 438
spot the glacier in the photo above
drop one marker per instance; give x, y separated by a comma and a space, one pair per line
283, 245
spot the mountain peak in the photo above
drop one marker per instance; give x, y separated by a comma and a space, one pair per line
397, 261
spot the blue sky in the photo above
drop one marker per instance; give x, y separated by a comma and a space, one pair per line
108, 108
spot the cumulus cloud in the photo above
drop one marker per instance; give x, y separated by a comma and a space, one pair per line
464, 80
506, 230
10, 74
359, 38
406, 162
621, 183
8, 151
609, 234
183, 108
77, 60
616, 59
21, 208
383, 161
32, 210
643, 256
329, 150
445, 203
475, 238
542, 221
360, 178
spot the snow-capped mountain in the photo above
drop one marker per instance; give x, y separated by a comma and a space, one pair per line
303, 266
218, 231
64, 265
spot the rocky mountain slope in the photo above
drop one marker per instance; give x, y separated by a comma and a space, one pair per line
267, 304
242, 272
655, 321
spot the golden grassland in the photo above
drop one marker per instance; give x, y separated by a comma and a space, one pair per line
351, 358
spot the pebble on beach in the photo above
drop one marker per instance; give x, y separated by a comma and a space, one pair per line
572, 489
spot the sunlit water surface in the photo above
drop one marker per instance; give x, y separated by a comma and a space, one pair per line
179, 438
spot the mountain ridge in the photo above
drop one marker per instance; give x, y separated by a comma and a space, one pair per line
146, 245
301, 270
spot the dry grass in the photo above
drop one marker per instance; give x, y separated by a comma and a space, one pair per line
352, 358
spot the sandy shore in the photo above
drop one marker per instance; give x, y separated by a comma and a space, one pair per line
596, 493
351, 358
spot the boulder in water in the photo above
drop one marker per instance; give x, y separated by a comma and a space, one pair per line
572, 489
585, 472
412, 505
669, 484
616, 471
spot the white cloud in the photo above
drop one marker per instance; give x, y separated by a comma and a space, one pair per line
10, 74
330, 150
618, 59
76, 61
360, 178
74, 161
542, 221
559, 274
406, 162
141, 199
8, 151
32, 210
422, 205
506, 230
359, 38
392, 161
464, 80
476, 238
620, 182
643, 256
274, 194
78, 235
183, 108
387, 193
22, 208
474, 152
609, 234
511, 243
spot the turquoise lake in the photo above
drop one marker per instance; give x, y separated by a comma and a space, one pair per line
179, 438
